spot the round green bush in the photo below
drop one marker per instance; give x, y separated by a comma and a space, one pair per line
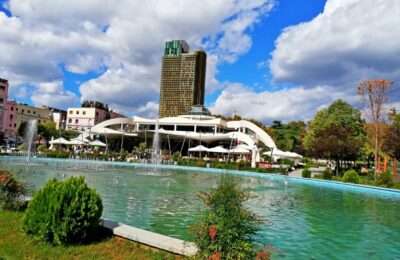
351, 176
64, 212
306, 173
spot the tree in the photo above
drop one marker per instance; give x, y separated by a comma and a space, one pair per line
47, 130
376, 94
336, 133
22, 128
391, 141
289, 137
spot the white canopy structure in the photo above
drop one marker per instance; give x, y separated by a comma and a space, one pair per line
199, 148
97, 143
218, 149
199, 128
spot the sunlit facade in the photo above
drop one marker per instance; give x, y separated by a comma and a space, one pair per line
182, 79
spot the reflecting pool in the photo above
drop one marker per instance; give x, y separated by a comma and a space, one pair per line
302, 219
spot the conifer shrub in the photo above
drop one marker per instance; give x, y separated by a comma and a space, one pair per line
226, 227
11, 192
64, 212
351, 176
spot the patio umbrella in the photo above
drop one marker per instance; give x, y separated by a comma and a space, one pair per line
76, 142
80, 139
97, 143
218, 149
60, 140
199, 148
240, 149
281, 154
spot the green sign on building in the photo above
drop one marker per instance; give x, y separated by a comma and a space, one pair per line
176, 48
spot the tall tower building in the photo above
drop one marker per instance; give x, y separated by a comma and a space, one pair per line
183, 76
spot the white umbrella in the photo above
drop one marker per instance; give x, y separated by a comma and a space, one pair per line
199, 148
80, 139
60, 140
76, 142
97, 143
240, 149
218, 149
276, 153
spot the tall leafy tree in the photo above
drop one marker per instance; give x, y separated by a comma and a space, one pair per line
391, 141
47, 130
289, 137
376, 94
336, 133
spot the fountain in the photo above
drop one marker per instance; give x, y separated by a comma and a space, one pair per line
30, 134
156, 152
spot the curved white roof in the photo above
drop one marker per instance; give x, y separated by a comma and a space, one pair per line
232, 127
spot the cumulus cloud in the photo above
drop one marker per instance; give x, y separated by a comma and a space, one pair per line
285, 104
53, 94
349, 41
325, 58
124, 38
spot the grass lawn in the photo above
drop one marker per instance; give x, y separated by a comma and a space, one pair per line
15, 244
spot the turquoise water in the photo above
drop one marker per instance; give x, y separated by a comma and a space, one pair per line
302, 219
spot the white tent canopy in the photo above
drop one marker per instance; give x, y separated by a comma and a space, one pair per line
97, 143
199, 148
218, 149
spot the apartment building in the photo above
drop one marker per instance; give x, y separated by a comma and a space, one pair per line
88, 115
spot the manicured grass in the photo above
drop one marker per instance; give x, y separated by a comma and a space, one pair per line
15, 244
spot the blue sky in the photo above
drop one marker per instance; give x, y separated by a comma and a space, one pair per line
267, 59
251, 69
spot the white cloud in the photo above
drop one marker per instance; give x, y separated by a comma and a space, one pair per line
125, 38
325, 58
52, 94
351, 40
286, 104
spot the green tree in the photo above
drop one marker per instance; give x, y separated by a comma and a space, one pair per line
289, 137
391, 141
47, 130
22, 128
336, 133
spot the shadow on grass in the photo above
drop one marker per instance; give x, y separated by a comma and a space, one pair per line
101, 234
